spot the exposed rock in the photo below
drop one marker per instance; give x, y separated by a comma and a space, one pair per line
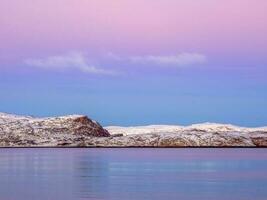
259, 138
80, 131
177, 139
198, 135
29, 131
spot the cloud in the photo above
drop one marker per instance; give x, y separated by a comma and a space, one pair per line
178, 60
74, 60
116, 57
78, 61
183, 59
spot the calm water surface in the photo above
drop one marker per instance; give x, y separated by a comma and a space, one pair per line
122, 174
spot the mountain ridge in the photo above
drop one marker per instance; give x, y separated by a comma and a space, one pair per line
81, 131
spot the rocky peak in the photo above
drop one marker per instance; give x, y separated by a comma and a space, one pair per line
73, 125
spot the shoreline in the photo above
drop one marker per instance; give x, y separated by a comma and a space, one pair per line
78, 131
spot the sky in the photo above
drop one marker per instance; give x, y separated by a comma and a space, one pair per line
135, 62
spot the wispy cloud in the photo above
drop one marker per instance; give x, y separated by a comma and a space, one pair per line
177, 60
183, 59
78, 61
116, 57
74, 60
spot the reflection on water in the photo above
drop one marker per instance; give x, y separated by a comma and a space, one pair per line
186, 174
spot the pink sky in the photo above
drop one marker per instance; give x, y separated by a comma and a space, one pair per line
127, 26
189, 60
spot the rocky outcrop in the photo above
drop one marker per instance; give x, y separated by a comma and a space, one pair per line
29, 131
259, 138
80, 131
198, 135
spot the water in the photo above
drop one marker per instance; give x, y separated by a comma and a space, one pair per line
122, 174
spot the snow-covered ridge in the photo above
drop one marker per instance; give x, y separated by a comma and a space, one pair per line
79, 130
12, 116
205, 127
18, 130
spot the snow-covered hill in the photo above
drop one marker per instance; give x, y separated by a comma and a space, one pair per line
205, 127
78, 130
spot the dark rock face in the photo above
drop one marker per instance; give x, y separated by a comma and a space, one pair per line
259, 138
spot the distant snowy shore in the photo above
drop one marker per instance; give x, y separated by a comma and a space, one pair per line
80, 131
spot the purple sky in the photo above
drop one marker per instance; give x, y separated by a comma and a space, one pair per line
191, 61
